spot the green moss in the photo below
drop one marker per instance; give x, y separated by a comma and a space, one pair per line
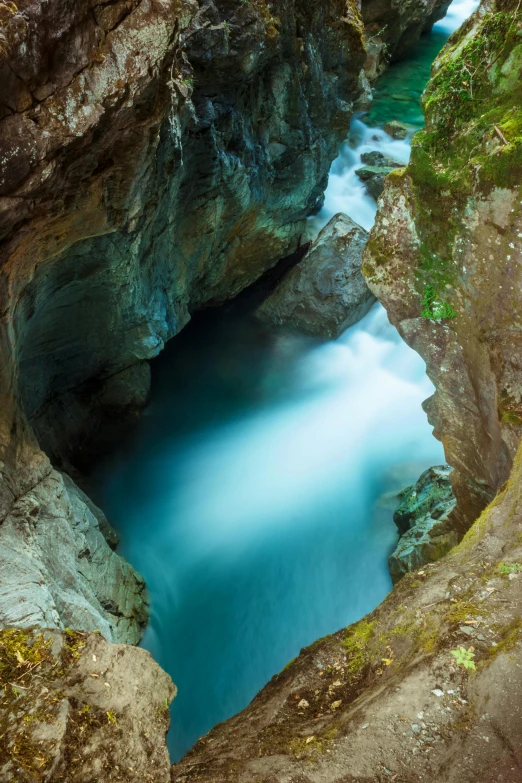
510, 635
462, 611
356, 644
310, 748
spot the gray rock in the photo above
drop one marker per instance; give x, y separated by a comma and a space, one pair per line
376, 158
325, 293
373, 177
424, 521
58, 568
399, 130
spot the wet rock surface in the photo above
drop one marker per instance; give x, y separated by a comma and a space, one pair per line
377, 167
326, 292
424, 522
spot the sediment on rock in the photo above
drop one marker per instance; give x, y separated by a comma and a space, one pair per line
77, 708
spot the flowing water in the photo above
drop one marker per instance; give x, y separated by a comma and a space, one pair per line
256, 496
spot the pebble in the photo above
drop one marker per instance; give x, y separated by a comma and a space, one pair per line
466, 629
437, 692
365, 725
415, 728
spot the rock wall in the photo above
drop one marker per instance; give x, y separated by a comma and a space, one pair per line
445, 256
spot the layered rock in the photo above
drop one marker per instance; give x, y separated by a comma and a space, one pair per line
326, 292
387, 697
156, 155
76, 708
424, 520
445, 256
58, 568
376, 168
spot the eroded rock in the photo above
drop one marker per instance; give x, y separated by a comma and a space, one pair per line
326, 292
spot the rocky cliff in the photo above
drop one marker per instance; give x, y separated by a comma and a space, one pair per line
445, 254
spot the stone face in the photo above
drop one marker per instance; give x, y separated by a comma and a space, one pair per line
424, 522
398, 130
391, 674
373, 177
449, 227
326, 292
392, 27
58, 568
76, 708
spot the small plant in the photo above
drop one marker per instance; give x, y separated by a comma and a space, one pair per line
510, 568
433, 307
111, 717
464, 657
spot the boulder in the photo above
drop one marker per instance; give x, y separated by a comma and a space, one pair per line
325, 293
399, 130
424, 522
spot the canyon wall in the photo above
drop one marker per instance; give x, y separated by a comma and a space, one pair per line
447, 245
155, 156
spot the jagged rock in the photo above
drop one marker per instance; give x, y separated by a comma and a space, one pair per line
399, 130
377, 167
392, 27
58, 568
449, 226
423, 518
75, 708
325, 293
373, 175
376, 158
392, 672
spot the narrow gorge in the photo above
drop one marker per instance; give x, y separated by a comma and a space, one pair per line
169, 173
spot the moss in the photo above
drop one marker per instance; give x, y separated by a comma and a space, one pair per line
509, 637
310, 748
75, 642
356, 645
462, 611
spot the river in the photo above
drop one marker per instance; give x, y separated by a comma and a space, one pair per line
256, 495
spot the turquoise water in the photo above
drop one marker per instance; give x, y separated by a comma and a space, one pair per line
256, 496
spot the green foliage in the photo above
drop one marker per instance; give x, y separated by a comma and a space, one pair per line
464, 657
460, 84
510, 568
433, 307
356, 644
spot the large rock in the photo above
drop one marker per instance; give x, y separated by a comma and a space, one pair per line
375, 171
326, 292
448, 231
423, 518
77, 709
58, 568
